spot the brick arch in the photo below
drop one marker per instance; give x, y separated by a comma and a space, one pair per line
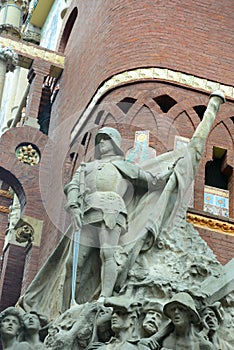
169, 90
23, 178
12, 181
67, 30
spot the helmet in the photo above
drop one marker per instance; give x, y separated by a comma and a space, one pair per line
183, 299
115, 138
151, 304
217, 309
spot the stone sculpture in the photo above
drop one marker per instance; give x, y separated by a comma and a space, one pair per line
134, 215
124, 322
11, 324
183, 314
212, 318
73, 330
33, 323
136, 254
152, 311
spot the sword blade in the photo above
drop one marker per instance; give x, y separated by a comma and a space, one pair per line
76, 247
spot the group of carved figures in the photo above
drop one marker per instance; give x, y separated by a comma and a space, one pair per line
111, 201
119, 323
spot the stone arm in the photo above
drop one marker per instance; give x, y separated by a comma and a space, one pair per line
72, 191
153, 342
74, 200
159, 180
197, 143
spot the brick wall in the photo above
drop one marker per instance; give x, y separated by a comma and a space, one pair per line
109, 37
221, 244
146, 114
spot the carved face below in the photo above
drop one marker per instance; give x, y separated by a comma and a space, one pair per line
152, 321
180, 316
105, 146
31, 322
210, 318
10, 326
120, 320
104, 316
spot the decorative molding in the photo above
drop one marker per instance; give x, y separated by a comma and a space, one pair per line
31, 51
152, 73
6, 194
211, 224
4, 209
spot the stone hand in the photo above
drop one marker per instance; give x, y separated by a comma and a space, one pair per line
149, 343
76, 216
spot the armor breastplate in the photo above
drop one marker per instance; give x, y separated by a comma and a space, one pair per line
104, 189
103, 177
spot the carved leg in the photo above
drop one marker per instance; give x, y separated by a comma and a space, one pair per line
108, 242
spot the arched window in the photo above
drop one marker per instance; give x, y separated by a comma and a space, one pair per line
216, 194
67, 30
165, 102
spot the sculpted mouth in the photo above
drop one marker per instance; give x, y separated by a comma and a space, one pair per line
177, 318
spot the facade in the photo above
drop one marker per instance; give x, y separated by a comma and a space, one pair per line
146, 68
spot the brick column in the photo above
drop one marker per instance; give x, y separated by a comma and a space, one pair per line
11, 275
39, 70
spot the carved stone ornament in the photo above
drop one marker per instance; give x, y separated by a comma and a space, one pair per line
31, 36
130, 273
10, 57
24, 233
28, 154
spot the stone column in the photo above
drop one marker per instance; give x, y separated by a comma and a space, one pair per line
11, 14
8, 62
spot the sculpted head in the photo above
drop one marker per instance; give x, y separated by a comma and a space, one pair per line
124, 316
152, 316
11, 323
104, 316
181, 310
107, 142
33, 321
212, 316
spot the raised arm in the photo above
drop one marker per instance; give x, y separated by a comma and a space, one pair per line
197, 143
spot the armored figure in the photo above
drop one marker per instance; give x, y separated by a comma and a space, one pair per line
97, 197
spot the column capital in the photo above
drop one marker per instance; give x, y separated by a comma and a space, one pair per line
23, 4
8, 55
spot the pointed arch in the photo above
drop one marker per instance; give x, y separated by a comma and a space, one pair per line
67, 30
